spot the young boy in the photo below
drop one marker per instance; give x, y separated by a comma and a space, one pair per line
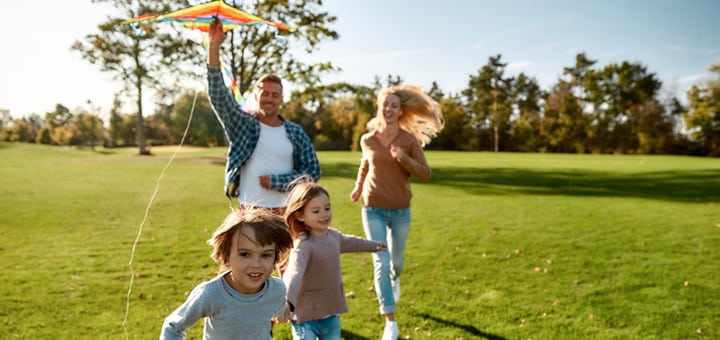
240, 302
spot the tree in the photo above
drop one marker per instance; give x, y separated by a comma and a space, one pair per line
25, 129
487, 101
654, 127
87, 129
527, 98
115, 128
703, 116
578, 74
138, 57
330, 114
619, 93
365, 105
563, 120
56, 126
128, 128
5, 122
5, 119
60, 117
205, 130
454, 135
44, 136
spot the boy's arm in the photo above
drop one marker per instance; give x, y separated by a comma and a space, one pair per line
184, 316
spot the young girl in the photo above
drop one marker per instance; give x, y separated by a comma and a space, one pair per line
240, 302
313, 276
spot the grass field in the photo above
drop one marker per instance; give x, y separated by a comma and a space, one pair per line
502, 246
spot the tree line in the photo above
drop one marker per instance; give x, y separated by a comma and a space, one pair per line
618, 108
615, 108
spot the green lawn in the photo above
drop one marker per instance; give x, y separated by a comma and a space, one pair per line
503, 245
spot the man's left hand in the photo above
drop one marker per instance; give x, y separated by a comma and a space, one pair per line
265, 181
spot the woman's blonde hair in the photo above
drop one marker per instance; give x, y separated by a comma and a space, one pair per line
269, 228
421, 115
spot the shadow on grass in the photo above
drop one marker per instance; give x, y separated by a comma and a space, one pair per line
351, 336
205, 159
467, 328
700, 186
104, 152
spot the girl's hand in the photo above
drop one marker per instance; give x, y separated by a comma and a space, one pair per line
287, 316
381, 247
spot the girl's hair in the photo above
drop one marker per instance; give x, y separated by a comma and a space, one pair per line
269, 228
421, 115
298, 198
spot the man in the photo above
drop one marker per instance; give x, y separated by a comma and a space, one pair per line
266, 152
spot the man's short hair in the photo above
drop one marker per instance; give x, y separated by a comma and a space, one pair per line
271, 77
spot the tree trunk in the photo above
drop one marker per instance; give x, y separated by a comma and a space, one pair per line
140, 121
496, 135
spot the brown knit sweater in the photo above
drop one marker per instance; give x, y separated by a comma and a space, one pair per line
385, 181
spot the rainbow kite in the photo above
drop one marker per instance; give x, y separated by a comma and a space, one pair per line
201, 16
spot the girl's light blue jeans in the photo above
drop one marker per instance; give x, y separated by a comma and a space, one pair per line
392, 227
322, 329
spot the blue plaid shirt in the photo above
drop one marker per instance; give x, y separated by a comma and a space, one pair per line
242, 130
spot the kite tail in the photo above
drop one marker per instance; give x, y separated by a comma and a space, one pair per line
227, 74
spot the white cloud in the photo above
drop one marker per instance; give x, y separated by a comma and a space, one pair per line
378, 56
518, 66
693, 78
552, 46
687, 49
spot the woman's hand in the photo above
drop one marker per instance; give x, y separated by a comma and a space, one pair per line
397, 152
355, 195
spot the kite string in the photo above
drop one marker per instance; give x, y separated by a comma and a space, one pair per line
147, 211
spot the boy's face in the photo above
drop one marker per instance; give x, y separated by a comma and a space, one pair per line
250, 264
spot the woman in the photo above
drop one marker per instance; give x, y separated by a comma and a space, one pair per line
406, 120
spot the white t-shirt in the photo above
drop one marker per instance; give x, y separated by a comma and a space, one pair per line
272, 155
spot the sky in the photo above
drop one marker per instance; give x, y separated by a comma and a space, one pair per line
421, 41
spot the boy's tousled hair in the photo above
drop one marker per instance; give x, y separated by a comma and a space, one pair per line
268, 227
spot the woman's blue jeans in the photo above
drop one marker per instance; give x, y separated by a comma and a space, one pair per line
392, 227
